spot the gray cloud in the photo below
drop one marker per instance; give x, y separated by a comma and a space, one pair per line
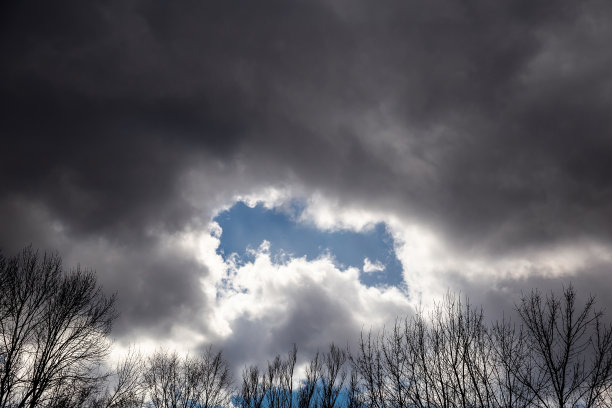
112, 103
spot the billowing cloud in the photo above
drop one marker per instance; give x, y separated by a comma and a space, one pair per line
307, 302
369, 266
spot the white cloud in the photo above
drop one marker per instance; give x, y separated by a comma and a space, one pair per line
332, 215
263, 306
369, 267
263, 289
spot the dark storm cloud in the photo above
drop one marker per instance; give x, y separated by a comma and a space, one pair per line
158, 287
504, 107
158, 291
106, 103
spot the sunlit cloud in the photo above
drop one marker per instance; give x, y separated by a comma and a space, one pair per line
369, 266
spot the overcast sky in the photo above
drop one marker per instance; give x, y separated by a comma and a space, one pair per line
362, 157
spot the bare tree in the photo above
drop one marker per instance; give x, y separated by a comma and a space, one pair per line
332, 377
161, 379
173, 382
369, 365
287, 378
354, 392
465, 352
53, 330
271, 388
127, 388
451, 358
512, 374
571, 350
280, 380
253, 389
73, 394
214, 386
308, 388
395, 385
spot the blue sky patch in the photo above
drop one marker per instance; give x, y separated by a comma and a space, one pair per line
244, 227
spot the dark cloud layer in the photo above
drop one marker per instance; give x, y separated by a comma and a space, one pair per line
489, 120
107, 104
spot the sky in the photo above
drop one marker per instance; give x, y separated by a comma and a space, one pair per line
257, 174
372, 251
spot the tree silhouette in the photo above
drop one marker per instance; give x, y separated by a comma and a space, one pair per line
53, 328
128, 388
559, 355
270, 388
172, 382
570, 358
